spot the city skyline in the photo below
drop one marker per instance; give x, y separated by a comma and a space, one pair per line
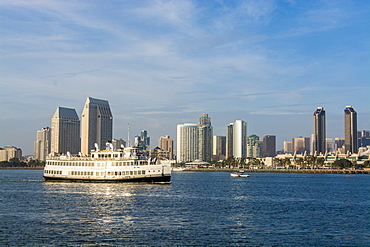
161, 63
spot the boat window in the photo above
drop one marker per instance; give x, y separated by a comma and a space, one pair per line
131, 173
135, 172
143, 172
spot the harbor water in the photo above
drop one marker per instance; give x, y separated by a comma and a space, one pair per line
196, 209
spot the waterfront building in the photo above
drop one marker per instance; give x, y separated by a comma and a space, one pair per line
143, 140
187, 142
65, 131
288, 147
42, 145
319, 136
253, 146
301, 145
205, 138
97, 124
269, 146
194, 141
230, 140
219, 147
9, 152
237, 139
350, 130
165, 143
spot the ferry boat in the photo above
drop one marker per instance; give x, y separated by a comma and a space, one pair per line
123, 165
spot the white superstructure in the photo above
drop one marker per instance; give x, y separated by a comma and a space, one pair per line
126, 165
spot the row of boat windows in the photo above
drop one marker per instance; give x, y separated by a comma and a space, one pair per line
99, 164
90, 173
53, 172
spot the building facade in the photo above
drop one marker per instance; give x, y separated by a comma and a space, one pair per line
65, 131
301, 145
97, 124
194, 141
288, 147
42, 145
269, 146
9, 152
165, 143
219, 146
253, 146
143, 140
350, 130
237, 139
187, 142
319, 133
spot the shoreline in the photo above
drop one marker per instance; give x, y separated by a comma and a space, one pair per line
21, 168
329, 171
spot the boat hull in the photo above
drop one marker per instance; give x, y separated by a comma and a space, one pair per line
162, 179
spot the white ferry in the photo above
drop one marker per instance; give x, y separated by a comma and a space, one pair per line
125, 165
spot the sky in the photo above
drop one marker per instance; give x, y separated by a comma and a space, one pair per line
160, 63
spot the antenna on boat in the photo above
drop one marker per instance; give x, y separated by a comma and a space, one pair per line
128, 138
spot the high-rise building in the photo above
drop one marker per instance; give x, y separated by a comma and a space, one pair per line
165, 143
97, 124
143, 140
9, 152
269, 146
219, 146
42, 145
363, 138
319, 134
350, 130
301, 145
194, 141
288, 146
237, 139
65, 131
253, 147
329, 145
205, 135
187, 142
339, 144
230, 140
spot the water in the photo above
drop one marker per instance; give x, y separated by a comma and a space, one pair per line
197, 209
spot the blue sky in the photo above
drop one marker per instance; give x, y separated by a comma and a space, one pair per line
162, 63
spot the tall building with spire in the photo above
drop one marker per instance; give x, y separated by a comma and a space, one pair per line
350, 130
42, 145
65, 131
97, 124
319, 133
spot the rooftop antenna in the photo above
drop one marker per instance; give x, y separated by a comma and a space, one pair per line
128, 138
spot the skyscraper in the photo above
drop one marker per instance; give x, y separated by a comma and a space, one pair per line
350, 130
166, 144
319, 133
187, 142
269, 146
65, 131
253, 147
143, 140
301, 145
237, 139
219, 146
42, 146
205, 138
97, 124
194, 141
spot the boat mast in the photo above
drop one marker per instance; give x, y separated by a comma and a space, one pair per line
128, 135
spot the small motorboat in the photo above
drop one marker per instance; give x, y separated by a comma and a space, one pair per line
239, 174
